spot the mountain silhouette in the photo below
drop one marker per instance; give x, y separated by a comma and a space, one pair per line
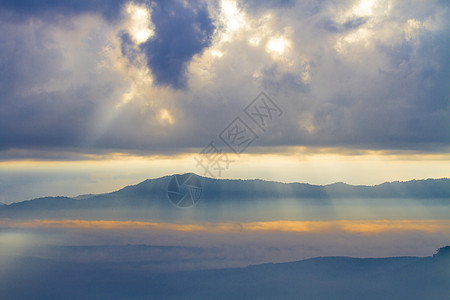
337, 278
153, 193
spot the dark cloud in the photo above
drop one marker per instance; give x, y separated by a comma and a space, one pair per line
43, 102
180, 33
108, 8
128, 48
47, 120
354, 23
333, 26
390, 91
256, 5
181, 30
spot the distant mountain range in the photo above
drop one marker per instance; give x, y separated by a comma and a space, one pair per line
337, 278
154, 193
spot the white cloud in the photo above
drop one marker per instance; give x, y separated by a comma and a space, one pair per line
278, 44
139, 24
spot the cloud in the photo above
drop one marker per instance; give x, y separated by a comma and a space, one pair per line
107, 8
172, 75
182, 31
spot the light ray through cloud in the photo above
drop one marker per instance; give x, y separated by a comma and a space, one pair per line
103, 100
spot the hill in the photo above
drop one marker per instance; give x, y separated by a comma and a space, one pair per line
152, 193
317, 278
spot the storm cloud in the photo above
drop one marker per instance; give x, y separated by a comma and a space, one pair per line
164, 77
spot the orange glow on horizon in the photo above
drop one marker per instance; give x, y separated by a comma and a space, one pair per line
344, 226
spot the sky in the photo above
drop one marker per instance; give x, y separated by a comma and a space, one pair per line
100, 94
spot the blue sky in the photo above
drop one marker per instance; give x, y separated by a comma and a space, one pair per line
153, 82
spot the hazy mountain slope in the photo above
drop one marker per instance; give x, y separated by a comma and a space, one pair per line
153, 192
318, 278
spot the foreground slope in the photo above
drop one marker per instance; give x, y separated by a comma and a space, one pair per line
317, 278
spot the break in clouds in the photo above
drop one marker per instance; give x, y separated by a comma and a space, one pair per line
165, 76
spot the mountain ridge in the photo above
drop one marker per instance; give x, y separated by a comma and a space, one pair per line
153, 192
